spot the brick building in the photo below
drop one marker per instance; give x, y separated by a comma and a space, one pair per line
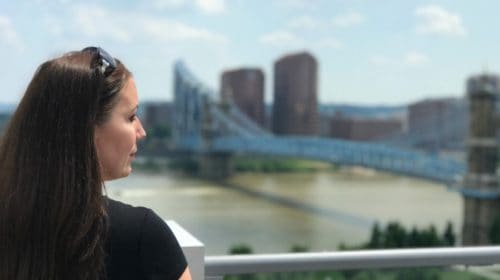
295, 95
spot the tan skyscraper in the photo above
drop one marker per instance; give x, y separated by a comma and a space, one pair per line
245, 87
295, 95
481, 202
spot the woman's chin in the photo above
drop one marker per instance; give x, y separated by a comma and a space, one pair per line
123, 174
126, 172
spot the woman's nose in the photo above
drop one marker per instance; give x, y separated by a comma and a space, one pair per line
141, 133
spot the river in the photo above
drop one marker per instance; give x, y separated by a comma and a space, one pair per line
273, 212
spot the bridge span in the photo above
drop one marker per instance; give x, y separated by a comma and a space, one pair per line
207, 127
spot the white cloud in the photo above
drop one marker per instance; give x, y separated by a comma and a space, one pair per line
340, 21
8, 34
436, 20
280, 38
348, 20
211, 6
305, 22
343, 21
177, 31
98, 22
414, 58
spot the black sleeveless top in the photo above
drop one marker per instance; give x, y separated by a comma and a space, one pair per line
140, 245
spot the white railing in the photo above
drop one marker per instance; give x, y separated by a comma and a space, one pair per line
192, 248
215, 267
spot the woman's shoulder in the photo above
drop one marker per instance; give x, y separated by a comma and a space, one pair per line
124, 222
126, 216
117, 208
127, 222
141, 234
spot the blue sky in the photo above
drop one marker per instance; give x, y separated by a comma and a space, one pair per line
369, 51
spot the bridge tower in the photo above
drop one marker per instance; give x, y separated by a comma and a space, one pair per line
195, 126
481, 185
212, 165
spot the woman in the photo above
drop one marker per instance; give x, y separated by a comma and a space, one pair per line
76, 127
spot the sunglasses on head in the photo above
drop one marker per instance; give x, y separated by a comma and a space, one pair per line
106, 62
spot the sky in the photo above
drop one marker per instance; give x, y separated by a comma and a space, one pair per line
370, 52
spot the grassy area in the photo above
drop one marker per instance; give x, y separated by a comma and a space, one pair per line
271, 164
240, 164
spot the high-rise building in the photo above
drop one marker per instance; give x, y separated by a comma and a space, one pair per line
481, 184
245, 87
295, 95
156, 113
439, 123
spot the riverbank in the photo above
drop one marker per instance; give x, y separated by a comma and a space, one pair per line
240, 164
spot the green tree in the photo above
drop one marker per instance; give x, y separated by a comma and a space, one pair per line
376, 238
240, 249
494, 233
414, 239
297, 248
430, 237
395, 236
449, 236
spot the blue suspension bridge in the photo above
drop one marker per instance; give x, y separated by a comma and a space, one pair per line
205, 126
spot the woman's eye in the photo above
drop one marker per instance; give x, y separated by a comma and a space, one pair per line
132, 118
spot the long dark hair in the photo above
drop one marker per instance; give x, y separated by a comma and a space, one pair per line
52, 209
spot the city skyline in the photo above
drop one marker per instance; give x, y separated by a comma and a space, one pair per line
394, 53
